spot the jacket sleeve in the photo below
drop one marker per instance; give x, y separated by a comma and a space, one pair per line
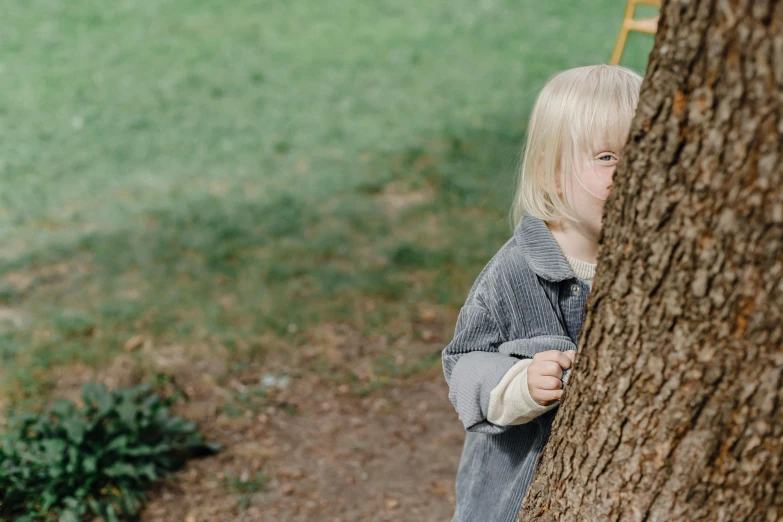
473, 366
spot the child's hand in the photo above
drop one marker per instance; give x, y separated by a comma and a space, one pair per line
545, 373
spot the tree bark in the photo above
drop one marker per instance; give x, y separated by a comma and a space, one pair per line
673, 411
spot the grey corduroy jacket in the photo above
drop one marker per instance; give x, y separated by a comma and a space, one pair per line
526, 300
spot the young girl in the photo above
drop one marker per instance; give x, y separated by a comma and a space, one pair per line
516, 336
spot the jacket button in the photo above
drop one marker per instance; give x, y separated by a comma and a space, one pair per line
575, 288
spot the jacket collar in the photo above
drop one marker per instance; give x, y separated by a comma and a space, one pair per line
540, 250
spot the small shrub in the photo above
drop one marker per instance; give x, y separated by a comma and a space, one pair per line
70, 464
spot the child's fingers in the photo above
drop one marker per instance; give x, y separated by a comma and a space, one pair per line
544, 397
557, 356
545, 382
546, 368
548, 355
571, 354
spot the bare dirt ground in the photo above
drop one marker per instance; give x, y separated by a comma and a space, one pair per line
389, 457
311, 448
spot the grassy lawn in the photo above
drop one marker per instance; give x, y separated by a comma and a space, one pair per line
236, 173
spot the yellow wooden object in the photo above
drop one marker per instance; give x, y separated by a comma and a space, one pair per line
644, 25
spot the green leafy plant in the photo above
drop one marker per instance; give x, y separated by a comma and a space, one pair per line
70, 464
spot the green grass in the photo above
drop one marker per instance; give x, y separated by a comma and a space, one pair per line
219, 172
245, 487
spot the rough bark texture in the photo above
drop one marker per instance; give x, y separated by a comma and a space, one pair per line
673, 411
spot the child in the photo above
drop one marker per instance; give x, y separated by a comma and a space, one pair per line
516, 336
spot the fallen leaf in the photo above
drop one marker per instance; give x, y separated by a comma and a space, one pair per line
134, 342
428, 316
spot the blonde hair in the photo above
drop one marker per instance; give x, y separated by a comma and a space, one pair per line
576, 110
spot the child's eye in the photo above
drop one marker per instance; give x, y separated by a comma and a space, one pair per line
607, 157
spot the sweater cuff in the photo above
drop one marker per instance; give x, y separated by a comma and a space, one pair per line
510, 402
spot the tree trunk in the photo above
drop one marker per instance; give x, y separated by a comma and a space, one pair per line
673, 411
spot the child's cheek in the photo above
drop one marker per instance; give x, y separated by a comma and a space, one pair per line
606, 180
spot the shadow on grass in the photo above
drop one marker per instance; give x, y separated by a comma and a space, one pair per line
416, 228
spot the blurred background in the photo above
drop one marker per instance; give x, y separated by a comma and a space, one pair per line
279, 206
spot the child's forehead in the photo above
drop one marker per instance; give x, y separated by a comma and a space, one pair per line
599, 143
606, 145
601, 124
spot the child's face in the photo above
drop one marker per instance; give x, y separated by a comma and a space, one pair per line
589, 186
